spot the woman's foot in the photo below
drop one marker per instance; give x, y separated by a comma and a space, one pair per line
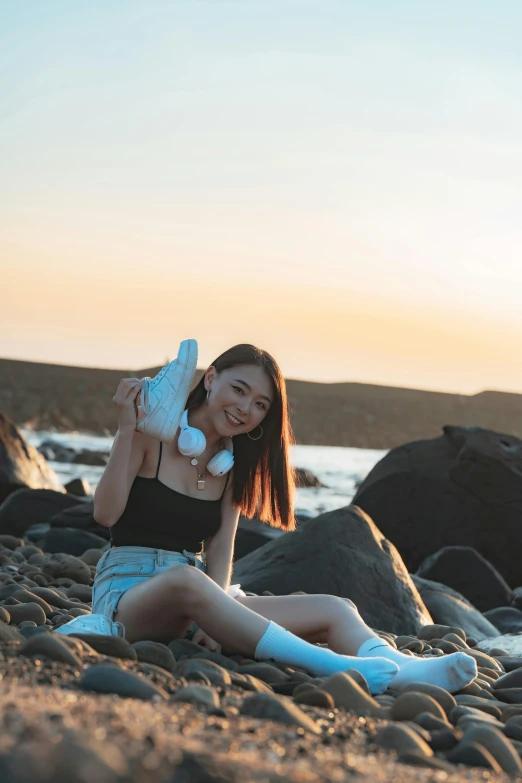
379, 673
282, 646
451, 672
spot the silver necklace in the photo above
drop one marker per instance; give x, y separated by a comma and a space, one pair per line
194, 461
201, 476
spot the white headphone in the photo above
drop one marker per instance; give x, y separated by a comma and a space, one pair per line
192, 443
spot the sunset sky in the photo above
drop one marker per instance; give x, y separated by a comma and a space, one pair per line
338, 182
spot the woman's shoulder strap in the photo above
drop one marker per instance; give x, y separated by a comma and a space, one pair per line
159, 459
225, 487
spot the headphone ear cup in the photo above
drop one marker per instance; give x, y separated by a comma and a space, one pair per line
191, 442
221, 463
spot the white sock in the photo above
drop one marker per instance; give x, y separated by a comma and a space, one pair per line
285, 647
451, 672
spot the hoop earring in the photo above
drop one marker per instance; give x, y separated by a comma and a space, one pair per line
260, 436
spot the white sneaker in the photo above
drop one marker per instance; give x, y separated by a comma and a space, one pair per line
163, 398
92, 623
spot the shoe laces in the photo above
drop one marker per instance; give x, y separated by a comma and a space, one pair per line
160, 375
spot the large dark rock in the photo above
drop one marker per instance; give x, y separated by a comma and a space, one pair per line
71, 541
507, 619
56, 452
20, 464
27, 507
86, 457
80, 517
516, 600
465, 570
79, 487
52, 450
463, 488
251, 534
305, 478
341, 553
61, 565
448, 607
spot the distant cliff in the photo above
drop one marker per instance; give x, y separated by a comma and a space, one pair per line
328, 414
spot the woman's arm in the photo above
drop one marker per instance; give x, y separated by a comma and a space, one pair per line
220, 550
127, 455
112, 492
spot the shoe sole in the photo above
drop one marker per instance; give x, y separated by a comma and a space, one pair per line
187, 358
73, 630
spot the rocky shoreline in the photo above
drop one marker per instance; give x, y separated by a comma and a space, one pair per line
86, 707
90, 707
57, 734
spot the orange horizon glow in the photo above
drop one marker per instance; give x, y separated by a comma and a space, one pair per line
386, 342
214, 170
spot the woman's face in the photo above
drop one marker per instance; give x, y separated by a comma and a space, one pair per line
239, 398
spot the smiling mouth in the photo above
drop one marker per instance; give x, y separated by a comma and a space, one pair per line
232, 420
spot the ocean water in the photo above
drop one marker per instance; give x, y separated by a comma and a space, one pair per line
339, 469
511, 642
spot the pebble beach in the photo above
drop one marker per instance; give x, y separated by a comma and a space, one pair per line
81, 708
53, 729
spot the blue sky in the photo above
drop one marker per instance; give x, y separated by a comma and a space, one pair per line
278, 172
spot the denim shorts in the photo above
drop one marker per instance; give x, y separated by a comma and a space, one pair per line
122, 567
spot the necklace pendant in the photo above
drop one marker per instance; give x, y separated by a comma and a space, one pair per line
201, 483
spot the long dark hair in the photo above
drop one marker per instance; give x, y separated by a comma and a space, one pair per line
263, 478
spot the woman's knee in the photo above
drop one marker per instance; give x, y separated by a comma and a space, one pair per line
338, 607
349, 603
332, 606
187, 581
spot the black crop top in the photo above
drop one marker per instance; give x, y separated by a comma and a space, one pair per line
160, 517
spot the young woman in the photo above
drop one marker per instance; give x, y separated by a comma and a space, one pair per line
156, 580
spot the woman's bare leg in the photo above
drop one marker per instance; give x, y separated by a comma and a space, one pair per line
163, 607
345, 631
316, 618
169, 600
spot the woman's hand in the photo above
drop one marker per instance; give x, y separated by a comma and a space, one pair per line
125, 401
200, 637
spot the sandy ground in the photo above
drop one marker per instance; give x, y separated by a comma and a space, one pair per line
236, 728
50, 734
